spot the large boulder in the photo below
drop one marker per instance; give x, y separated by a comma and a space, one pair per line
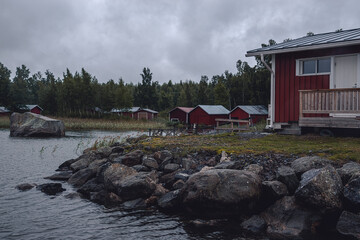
222, 192
352, 194
287, 220
83, 161
349, 225
287, 176
50, 188
348, 170
112, 175
34, 125
131, 159
81, 177
140, 185
307, 163
321, 188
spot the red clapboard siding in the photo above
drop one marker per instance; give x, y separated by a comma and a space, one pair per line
179, 114
287, 85
199, 116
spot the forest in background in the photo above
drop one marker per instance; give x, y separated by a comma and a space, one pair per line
78, 94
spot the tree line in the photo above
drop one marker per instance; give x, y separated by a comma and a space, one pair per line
78, 94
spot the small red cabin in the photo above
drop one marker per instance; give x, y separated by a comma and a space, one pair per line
146, 114
254, 113
206, 114
180, 114
314, 80
126, 112
4, 112
32, 108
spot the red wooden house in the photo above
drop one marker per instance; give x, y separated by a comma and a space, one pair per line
180, 114
315, 80
206, 114
145, 113
32, 108
254, 113
4, 112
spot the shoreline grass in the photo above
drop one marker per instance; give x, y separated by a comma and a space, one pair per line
339, 149
4, 122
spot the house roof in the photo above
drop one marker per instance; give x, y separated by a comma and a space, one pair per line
4, 110
184, 109
132, 109
213, 109
148, 110
253, 109
29, 107
317, 41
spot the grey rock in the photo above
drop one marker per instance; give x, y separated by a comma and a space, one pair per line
113, 174
131, 159
255, 224
182, 176
96, 164
89, 187
188, 163
65, 166
61, 176
226, 165
34, 125
287, 176
178, 184
273, 190
81, 177
168, 180
222, 192
73, 195
25, 186
150, 162
163, 156
104, 152
307, 163
170, 201
287, 220
141, 168
349, 225
117, 149
255, 168
134, 204
171, 167
348, 170
140, 185
83, 161
352, 194
321, 188
50, 188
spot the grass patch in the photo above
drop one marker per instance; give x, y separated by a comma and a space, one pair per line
338, 149
106, 124
4, 122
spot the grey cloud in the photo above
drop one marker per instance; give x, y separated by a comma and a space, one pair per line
177, 40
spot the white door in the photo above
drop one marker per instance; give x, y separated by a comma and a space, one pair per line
345, 76
345, 72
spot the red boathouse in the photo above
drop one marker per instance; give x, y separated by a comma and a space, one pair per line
206, 114
254, 113
180, 114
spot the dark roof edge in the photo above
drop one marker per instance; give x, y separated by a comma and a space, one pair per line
305, 48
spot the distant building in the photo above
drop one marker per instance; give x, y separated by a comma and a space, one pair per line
206, 114
4, 111
136, 113
31, 108
255, 113
180, 114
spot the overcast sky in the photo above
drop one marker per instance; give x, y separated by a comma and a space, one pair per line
176, 39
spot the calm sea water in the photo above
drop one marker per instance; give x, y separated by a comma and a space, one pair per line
34, 215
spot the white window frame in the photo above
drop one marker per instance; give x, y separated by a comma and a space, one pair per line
299, 66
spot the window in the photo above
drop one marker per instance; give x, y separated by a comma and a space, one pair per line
314, 66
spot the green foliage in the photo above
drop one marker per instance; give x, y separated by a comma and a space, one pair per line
4, 86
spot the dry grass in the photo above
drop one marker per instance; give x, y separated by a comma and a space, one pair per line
104, 124
4, 122
339, 149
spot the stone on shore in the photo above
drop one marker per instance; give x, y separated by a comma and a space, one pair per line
348, 170
113, 174
287, 176
81, 177
352, 194
131, 159
304, 164
321, 188
349, 225
25, 186
35, 125
61, 176
222, 192
288, 220
50, 188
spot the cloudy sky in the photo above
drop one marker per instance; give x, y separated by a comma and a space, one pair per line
176, 39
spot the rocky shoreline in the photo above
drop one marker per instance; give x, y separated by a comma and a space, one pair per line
271, 197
